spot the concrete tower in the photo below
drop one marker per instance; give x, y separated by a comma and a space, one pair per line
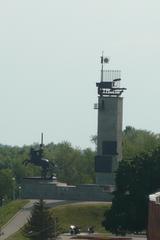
109, 137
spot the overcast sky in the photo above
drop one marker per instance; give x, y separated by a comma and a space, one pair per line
50, 63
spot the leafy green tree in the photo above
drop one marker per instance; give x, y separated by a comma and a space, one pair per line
135, 180
87, 166
41, 225
136, 141
6, 183
74, 166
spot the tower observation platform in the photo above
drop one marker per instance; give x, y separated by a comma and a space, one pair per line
109, 134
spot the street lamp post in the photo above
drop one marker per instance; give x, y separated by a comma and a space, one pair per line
13, 192
19, 192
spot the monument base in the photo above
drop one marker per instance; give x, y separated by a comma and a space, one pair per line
36, 188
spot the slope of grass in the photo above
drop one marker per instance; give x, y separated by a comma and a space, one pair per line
83, 215
17, 236
10, 209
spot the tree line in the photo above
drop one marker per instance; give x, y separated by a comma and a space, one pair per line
74, 165
136, 177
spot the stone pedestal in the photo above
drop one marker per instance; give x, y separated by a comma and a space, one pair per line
36, 188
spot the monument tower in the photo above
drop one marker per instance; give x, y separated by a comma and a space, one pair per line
109, 136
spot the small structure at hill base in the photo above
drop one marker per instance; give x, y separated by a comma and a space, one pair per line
154, 217
109, 150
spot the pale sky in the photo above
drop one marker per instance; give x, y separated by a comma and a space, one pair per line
50, 63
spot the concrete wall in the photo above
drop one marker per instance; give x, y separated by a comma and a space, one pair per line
37, 188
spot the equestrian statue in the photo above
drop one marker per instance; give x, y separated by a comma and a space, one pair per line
36, 158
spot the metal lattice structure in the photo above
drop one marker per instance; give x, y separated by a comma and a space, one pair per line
110, 83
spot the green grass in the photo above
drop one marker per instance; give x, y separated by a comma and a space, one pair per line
83, 215
17, 236
10, 209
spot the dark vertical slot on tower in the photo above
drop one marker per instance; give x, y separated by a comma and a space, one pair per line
109, 147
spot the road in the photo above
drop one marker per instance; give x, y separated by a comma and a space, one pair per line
21, 217
67, 236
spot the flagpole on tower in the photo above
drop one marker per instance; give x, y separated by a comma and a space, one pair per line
102, 67
103, 60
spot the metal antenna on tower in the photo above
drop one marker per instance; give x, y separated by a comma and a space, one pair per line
41, 145
102, 67
103, 60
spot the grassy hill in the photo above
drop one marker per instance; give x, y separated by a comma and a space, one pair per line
10, 209
83, 215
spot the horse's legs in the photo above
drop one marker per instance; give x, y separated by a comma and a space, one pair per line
44, 173
25, 162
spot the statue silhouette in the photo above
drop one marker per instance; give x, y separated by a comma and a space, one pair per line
36, 158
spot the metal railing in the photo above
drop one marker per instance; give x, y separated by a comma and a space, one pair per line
110, 75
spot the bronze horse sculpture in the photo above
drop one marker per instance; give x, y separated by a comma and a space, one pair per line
36, 158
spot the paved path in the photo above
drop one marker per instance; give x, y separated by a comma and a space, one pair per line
67, 236
21, 217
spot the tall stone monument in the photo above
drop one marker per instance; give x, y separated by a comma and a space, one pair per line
109, 136
109, 150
